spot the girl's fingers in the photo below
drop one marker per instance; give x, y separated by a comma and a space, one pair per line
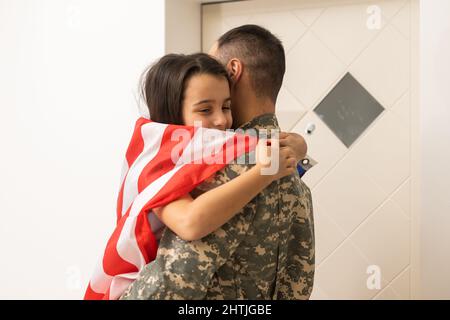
283, 135
294, 163
291, 162
284, 142
288, 163
287, 152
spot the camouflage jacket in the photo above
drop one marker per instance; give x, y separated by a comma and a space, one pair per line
266, 251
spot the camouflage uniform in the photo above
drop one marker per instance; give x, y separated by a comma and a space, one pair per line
266, 251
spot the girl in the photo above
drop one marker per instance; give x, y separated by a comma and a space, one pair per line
183, 89
178, 90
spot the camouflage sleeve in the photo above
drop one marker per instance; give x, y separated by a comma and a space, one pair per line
184, 269
297, 282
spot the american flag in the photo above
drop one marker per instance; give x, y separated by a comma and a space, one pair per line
152, 177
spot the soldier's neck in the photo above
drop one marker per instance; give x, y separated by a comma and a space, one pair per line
251, 107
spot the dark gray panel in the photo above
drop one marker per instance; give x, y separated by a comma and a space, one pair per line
348, 109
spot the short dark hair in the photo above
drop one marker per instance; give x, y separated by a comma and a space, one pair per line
164, 83
261, 52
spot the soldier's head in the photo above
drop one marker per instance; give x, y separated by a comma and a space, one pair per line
183, 89
254, 59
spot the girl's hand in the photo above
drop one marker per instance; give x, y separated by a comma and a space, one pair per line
287, 163
295, 142
286, 160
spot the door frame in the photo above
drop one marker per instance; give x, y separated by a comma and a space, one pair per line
190, 30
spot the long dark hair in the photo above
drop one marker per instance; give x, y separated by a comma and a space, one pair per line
164, 83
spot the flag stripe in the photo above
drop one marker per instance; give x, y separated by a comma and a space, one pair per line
135, 148
152, 134
152, 177
162, 162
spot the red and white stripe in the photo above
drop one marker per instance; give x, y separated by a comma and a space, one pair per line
151, 179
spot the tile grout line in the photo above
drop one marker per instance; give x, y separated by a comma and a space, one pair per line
393, 279
373, 211
356, 143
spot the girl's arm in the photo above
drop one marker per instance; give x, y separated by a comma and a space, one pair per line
192, 219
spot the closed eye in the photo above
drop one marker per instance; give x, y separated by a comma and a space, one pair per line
204, 110
227, 105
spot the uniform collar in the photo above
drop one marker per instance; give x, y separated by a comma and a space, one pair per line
264, 121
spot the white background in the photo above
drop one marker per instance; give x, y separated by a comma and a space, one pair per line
68, 70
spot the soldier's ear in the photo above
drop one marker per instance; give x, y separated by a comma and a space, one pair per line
235, 69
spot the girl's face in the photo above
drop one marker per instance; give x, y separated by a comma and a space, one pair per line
207, 99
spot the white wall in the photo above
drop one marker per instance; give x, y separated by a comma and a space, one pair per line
183, 31
435, 142
68, 70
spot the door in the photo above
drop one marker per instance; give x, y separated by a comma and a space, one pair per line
351, 76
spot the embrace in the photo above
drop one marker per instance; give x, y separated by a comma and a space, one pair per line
212, 229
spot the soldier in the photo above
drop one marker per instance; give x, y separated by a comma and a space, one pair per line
267, 250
